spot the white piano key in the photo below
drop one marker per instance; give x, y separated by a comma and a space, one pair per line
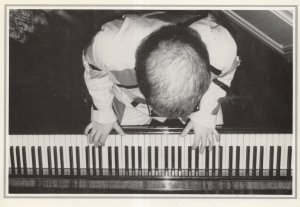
264, 143
234, 143
12, 144
240, 143
153, 145
158, 143
164, 143
252, 144
112, 143
217, 145
275, 144
181, 141
258, 144
170, 144
224, 144
141, 141
30, 143
119, 145
281, 143
147, 144
78, 141
42, 143
136, 144
176, 144
187, 139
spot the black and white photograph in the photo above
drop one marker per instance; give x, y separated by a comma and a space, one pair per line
150, 101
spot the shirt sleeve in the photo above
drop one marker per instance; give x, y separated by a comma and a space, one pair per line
222, 52
99, 86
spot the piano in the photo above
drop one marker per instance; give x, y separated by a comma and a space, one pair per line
153, 160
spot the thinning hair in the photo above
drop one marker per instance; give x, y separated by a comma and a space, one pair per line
171, 69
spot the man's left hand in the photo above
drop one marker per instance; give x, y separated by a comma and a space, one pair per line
203, 134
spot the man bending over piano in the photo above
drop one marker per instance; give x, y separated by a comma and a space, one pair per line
141, 68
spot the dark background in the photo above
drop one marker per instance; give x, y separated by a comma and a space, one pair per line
47, 93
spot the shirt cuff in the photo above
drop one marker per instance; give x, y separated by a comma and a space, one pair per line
204, 119
103, 116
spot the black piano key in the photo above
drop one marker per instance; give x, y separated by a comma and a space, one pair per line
247, 160
12, 160
18, 160
254, 161
173, 158
271, 161
87, 158
109, 160
140, 159
237, 161
179, 158
24, 160
230, 160
189, 159
55, 160
71, 160
62, 165
213, 160
133, 158
126, 160
220, 161
149, 160
117, 160
78, 160
197, 153
49, 160
278, 161
206, 160
156, 158
100, 157
33, 159
94, 159
289, 161
40, 158
261, 160
166, 158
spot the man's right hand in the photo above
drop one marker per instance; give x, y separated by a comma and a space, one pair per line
97, 133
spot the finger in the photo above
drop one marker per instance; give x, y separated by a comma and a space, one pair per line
119, 129
203, 144
88, 128
97, 138
91, 135
217, 135
196, 142
103, 138
187, 129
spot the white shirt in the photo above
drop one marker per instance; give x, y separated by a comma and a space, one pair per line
113, 51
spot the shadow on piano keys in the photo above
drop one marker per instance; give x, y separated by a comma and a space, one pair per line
152, 160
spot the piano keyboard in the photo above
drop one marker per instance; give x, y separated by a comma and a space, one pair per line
157, 154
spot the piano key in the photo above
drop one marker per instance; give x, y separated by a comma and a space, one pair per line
189, 160
282, 140
187, 144
109, 151
83, 143
271, 161
133, 158
170, 144
234, 144
36, 144
254, 161
33, 159
104, 157
24, 160
52, 144
278, 161
220, 160
246, 143
116, 160
176, 144
149, 164
131, 150
55, 154
49, 160
230, 157
173, 158
87, 160
135, 144
166, 159
126, 161
153, 144
12, 160
111, 141
289, 161
28, 151
213, 161
180, 152
226, 143
146, 151
223, 141
158, 143
119, 144
100, 159
248, 160
261, 160
78, 169
40, 160
71, 160
266, 151
156, 158
217, 156
164, 143
237, 161
43, 142
94, 161
207, 159
66, 150
141, 157
62, 160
